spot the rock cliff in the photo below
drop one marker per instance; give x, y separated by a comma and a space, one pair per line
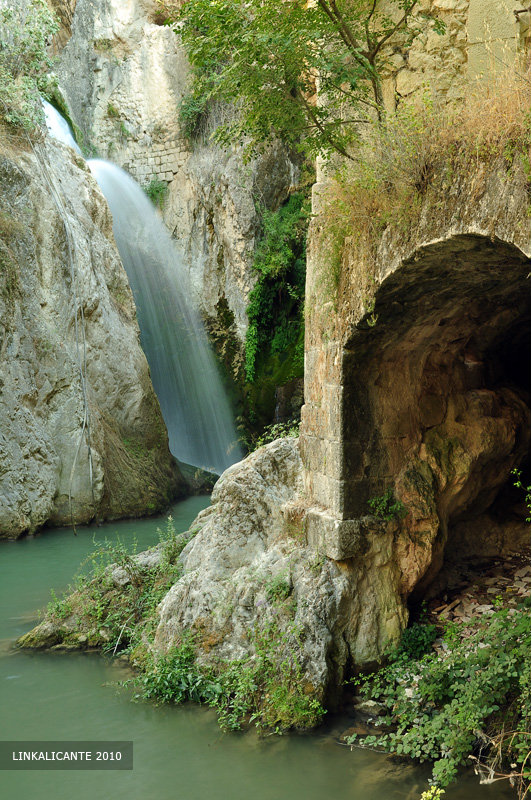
82, 435
124, 75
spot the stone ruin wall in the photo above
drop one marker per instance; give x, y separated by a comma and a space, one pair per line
481, 38
423, 402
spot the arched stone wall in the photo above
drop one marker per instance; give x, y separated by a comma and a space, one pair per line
428, 395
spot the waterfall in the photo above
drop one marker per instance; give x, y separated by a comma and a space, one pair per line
183, 369
59, 127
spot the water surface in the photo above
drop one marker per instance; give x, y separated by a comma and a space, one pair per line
179, 752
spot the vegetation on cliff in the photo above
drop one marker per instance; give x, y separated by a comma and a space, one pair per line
274, 345
25, 32
268, 57
423, 150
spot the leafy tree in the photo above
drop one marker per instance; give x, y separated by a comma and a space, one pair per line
25, 31
270, 57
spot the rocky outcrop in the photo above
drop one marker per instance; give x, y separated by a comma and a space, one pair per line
248, 564
82, 435
124, 75
252, 552
248, 574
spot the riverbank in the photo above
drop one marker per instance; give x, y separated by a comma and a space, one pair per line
70, 696
457, 691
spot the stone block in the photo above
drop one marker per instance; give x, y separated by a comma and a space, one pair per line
321, 455
488, 21
484, 62
342, 539
325, 491
451, 5
408, 82
418, 59
356, 493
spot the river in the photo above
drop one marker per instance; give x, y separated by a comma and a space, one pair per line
179, 752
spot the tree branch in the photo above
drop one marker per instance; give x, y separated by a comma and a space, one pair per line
397, 27
321, 129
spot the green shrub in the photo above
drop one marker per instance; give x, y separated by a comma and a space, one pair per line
416, 641
443, 705
191, 111
119, 616
157, 192
275, 309
386, 507
25, 31
526, 489
172, 543
278, 430
268, 689
278, 588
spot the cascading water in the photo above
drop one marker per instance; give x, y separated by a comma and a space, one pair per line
183, 370
59, 127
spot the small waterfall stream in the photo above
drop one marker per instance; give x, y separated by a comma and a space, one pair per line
183, 369
59, 127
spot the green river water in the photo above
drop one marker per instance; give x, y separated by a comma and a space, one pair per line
179, 752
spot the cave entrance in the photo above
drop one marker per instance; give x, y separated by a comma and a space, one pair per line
438, 406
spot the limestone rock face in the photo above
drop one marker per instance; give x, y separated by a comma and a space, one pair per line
124, 75
81, 432
249, 565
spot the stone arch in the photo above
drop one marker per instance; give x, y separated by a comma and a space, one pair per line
434, 402
446, 392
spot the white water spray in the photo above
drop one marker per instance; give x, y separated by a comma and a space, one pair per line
59, 127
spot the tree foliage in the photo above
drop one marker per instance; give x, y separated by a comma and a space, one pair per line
276, 302
270, 57
25, 32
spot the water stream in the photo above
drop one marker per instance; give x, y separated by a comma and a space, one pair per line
183, 368
59, 127
180, 753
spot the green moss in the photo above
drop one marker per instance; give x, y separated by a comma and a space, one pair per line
419, 481
10, 229
136, 448
447, 452
56, 99
157, 192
